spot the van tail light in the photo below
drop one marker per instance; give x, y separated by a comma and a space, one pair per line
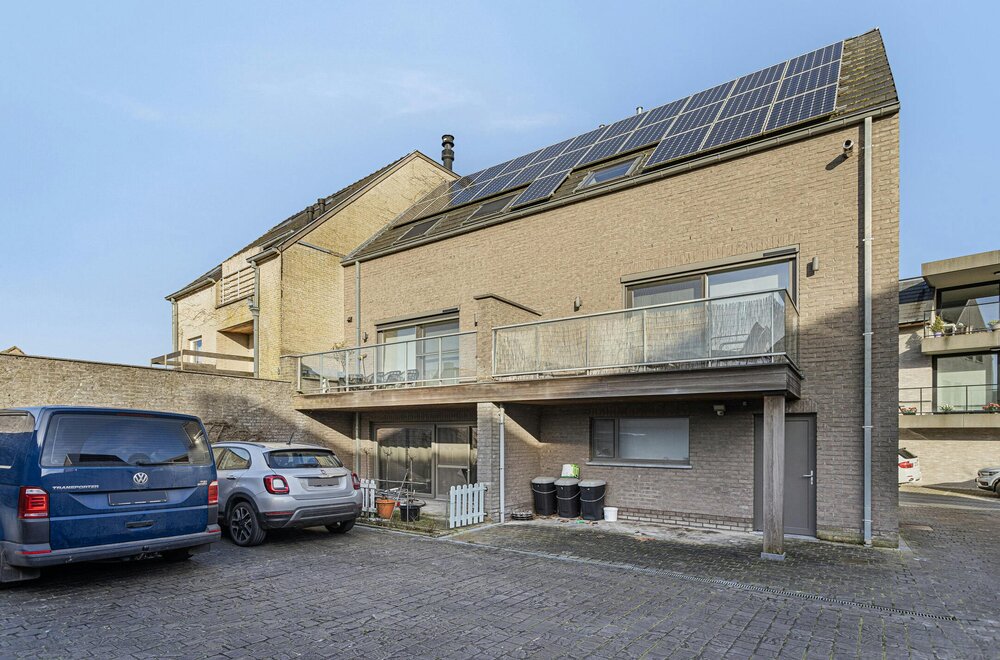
905, 464
276, 484
213, 492
356, 480
32, 503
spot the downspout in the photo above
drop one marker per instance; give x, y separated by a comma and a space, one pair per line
175, 341
357, 335
868, 328
503, 451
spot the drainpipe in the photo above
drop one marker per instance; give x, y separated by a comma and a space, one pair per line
174, 339
867, 247
503, 451
357, 331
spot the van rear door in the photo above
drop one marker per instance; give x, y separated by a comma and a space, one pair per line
114, 477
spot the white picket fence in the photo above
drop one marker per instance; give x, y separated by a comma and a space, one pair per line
466, 505
368, 487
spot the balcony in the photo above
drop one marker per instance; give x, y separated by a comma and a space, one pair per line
949, 407
754, 329
431, 361
205, 362
972, 327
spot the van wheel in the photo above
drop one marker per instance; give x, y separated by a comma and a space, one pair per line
342, 527
180, 554
244, 528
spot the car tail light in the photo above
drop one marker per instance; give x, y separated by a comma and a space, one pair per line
356, 480
276, 484
32, 503
213, 492
905, 464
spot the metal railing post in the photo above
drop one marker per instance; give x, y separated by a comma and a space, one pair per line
645, 347
440, 364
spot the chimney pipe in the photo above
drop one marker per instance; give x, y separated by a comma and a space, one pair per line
447, 151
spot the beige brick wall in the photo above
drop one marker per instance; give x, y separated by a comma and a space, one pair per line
799, 194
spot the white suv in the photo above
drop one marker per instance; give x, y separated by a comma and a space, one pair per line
989, 479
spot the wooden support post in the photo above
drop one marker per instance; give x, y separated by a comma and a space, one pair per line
774, 477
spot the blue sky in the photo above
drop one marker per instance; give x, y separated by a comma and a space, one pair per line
142, 143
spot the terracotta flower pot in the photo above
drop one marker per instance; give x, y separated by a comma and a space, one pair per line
384, 508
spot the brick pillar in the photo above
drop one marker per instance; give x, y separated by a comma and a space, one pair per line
488, 455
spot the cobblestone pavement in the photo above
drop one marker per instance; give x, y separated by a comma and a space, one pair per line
526, 591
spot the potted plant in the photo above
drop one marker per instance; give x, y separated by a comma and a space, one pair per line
937, 326
960, 328
384, 506
946, 408
409, 509
908, 410
992, 407
995, 325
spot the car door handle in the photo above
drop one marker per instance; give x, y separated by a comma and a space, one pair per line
231, 477
811, 477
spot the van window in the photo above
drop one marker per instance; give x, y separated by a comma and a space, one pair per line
111, 440
303, 458
14, 427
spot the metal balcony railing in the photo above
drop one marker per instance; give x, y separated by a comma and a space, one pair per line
206, 362
947, 399
442, 360
974, 316
757, 327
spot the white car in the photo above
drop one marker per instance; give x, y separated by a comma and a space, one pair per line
909, 467
989, 479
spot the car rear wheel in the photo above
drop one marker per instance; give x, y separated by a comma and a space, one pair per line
244, 528
342, 527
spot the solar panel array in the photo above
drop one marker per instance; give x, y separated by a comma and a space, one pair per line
782, 95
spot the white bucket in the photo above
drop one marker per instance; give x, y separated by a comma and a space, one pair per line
611, 513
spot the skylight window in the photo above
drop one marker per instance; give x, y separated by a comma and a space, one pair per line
417, 230
489, 208
609, 173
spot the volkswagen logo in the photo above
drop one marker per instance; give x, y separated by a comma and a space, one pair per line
140, 478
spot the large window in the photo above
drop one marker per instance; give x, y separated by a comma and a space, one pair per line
652, 440
965, 383
972, 306
721, 283
116, 440
420, 352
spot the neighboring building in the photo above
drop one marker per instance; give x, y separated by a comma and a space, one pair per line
650, 300
948, 371
296, 266
13, 350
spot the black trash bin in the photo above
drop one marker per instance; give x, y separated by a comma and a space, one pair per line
543, 492
592, 499
568, 497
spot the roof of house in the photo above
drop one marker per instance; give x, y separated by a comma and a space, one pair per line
865, 83
303, 220
13, 350
916, 300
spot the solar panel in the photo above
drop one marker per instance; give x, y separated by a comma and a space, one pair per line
664, 112
695, 118
675, 146
805, 106
540, 189
787, 93
736, 128
755, 98
603, 149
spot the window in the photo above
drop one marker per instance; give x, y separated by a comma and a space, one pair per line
195, 345
425, 352
302, 458
231, 458
972, 306
114, 440
417, 230
652, 440
491, 208
609, 173
965, 383
742, 280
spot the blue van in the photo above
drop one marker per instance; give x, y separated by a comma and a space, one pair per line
78, 484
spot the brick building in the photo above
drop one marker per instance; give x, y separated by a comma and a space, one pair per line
282, 293
675, 301
948, 371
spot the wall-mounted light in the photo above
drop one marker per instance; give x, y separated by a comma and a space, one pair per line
364, 336
720, 409
350, 318
812, 267
577, 304
848, 148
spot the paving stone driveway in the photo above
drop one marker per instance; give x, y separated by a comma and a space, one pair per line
526, 591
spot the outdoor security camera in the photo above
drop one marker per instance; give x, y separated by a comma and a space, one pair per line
848, 148
719, 409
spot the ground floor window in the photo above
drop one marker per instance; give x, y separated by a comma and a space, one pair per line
653, 440
966, 383
428, 459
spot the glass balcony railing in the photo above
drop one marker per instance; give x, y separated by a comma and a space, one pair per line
760, 327
948, 399
980, 315
441, 360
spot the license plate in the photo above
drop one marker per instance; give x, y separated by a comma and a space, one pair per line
327, 482
137, 497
